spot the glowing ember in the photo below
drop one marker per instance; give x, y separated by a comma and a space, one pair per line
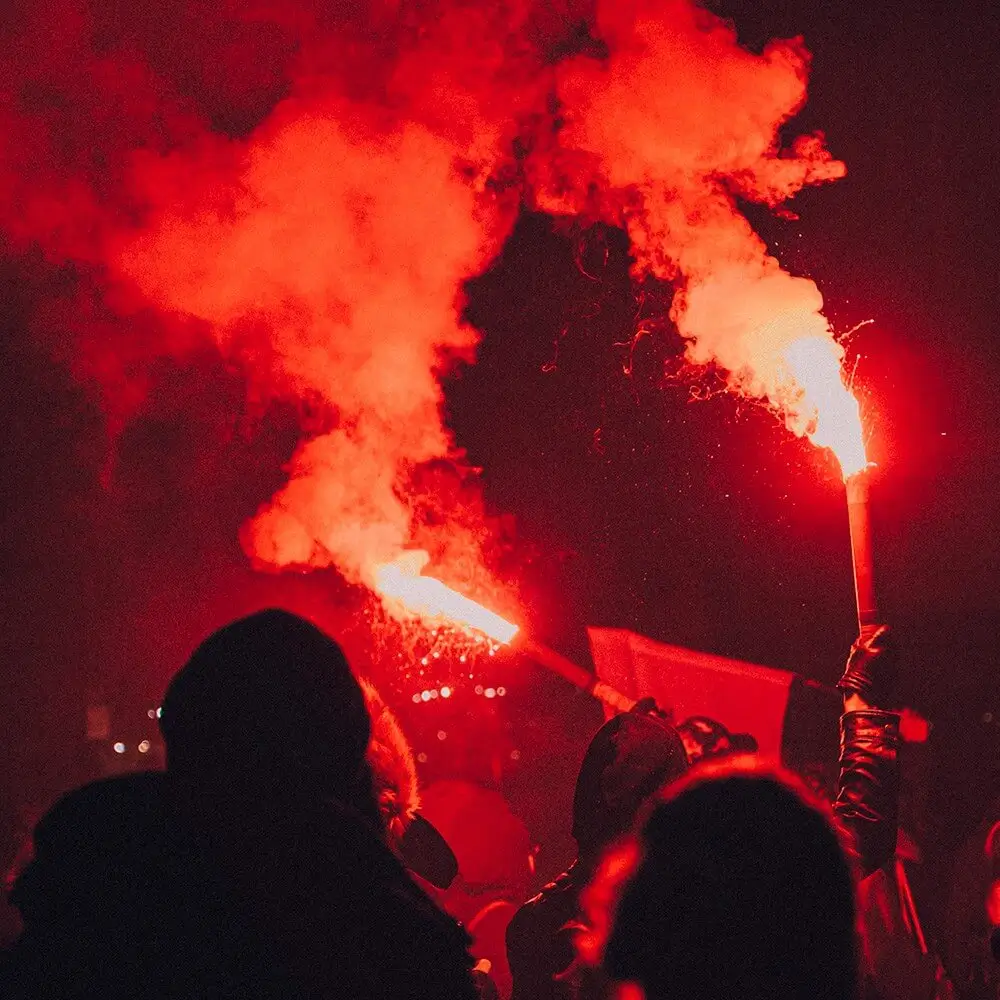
829, 408
430, 598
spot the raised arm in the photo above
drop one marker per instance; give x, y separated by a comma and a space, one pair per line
868, 788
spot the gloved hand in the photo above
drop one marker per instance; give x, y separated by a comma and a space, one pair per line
872, 667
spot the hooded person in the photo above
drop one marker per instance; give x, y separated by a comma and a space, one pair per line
260, 856
630, 757
95, 891
268, 705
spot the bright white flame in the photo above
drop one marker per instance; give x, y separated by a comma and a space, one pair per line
430, 598
829, 409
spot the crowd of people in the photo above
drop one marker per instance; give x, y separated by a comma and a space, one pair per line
283, 853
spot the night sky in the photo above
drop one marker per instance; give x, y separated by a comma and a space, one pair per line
701, 523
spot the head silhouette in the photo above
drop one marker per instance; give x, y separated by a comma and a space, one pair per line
268, 702
741, 889
630, 757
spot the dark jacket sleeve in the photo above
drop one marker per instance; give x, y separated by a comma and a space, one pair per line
868, 789
531, 980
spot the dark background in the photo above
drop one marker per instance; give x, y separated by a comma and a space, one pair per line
700, 523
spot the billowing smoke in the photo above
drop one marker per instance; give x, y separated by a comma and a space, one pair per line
330, 255
665, 137
324, 251
307, 188
329, 251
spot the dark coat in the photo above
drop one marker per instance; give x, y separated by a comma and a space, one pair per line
631, 756
136, 892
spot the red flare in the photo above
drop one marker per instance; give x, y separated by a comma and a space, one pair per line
430, 598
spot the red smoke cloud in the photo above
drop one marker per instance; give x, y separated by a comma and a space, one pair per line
329, 251
330, 255
307, 187
670, 131
325, 252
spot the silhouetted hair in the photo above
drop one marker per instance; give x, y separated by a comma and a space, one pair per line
742, 889
269, 700
393, 767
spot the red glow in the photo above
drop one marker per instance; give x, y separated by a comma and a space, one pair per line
913, 727
429, 598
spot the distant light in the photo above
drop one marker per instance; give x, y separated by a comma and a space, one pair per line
423, 661
501, 692
446, 692
442, 735
425, 696
119, 748
461, 659
416, 698
490, 692
144, 746
159, 712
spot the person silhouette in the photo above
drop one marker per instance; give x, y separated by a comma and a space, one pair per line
256, 866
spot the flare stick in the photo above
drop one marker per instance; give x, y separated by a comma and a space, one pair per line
575, 674
861, 549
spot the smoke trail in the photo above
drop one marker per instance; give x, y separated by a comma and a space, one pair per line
670, 131
307, 188
330, 254
319, 235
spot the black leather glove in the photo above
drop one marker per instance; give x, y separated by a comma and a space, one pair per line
872, 667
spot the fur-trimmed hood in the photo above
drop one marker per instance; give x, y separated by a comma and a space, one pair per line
394, 771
